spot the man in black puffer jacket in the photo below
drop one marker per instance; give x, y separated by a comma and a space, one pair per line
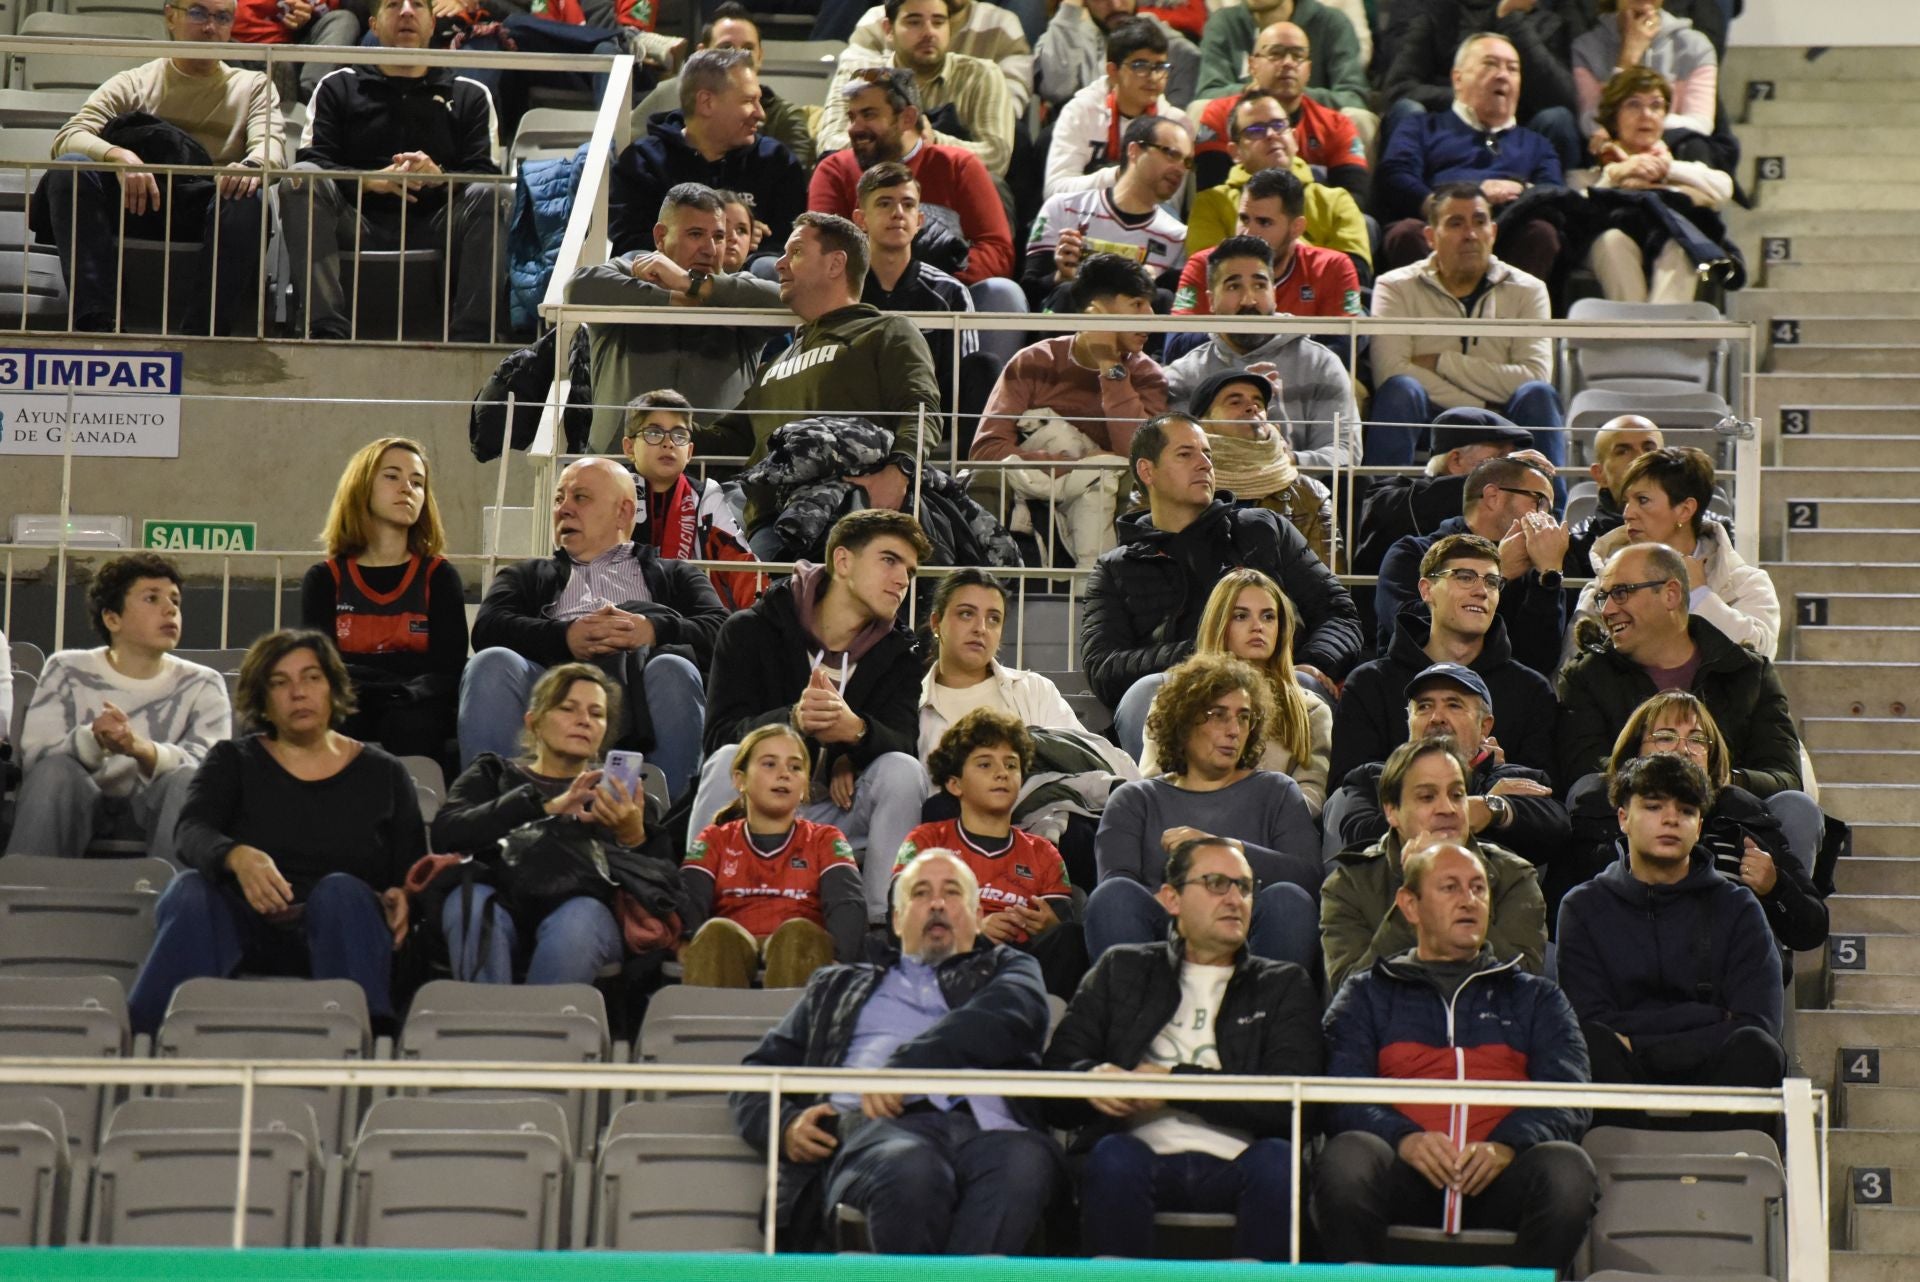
1145, 597
1197, 1003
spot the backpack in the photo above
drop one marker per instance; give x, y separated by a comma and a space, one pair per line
528, 375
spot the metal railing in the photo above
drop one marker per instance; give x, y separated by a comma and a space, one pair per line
1804, 1110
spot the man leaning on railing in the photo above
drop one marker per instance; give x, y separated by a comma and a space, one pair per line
403, 120
202, 112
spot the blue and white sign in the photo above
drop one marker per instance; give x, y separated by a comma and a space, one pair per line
124, 404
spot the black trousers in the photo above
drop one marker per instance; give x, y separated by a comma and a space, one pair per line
1747, 1057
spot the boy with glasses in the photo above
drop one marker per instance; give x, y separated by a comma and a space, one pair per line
684, 517
1091, 135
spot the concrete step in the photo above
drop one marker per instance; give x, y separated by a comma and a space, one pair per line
1902, 390
1901, 992
1886, 1229
1808, 89
1836, 689
1882, 420
1791, 64
1825, 735
1873, 802
1818, 167
1874, 914
1819, 578
1830, 477
1798, 195
1824, 330
1865, 644
1888, 839
1902, 111
1896, 546
1842, 358
1789, 137
1864, 876
1897, 956
1749, 225
1882, 1108
1850, 514
1819, 1035
1867, 765
1861, 1266
1827, 449
1903, 1182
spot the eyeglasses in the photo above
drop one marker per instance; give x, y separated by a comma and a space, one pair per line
1541, 502
1260, 129
1673, 739
1218, 884
1284, 53
1221, 716
1467, 578
201, 16
655, 435
1141, 67
1173, 154
1620, 594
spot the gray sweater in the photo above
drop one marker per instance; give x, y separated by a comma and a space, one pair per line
1264, 811
1314, 388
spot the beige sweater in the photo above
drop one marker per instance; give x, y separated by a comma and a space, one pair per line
234, 114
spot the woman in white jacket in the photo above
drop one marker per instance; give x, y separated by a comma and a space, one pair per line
1664, 498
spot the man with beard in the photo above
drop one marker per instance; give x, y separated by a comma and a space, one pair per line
957, 195
933, 1174
1071, 53
1423, 792
1316, 395
981, 30
972, 88
1126, 219
1282, 64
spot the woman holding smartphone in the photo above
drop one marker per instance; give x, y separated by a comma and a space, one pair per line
573, 711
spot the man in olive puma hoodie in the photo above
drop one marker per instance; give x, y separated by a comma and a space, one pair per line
847, 357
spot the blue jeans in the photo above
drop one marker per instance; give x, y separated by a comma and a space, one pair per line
1402, 400
1285, 926
493, 709
1801, 823
573, 944
1124, 1182
203, 928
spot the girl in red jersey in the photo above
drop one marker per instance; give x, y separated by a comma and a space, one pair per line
1025, 899
766, 884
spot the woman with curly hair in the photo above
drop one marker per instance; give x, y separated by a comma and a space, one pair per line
1249, 617
1208, 728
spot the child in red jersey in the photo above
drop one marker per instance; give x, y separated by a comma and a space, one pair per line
1025, 899
767, 884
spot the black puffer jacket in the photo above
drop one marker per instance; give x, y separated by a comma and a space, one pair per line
1268, 1024
1145, 597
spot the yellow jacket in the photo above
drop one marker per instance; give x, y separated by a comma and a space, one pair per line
1333, 219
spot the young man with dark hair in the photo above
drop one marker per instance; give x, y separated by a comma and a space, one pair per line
826, 651
1094, 387
1127, 217
1145, 597
712, 365
113, 735
1089, 134
1025, 900
684, 517
980, 29
1671, 966
847, 357
969, 229
1447, 1006
1200, 1002
898, 278
1423, 792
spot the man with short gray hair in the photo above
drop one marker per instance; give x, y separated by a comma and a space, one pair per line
714, 139
933, 1174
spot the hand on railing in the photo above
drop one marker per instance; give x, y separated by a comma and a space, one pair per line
139, 192
240, 182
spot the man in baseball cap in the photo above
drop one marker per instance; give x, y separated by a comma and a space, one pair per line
1253, 458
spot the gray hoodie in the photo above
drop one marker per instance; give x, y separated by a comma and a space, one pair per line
1678, 52
1314, 389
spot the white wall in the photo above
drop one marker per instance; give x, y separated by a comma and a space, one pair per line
1803, 23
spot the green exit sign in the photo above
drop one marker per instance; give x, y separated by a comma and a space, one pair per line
198, 536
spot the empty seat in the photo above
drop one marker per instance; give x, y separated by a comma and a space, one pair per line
548, 132
77, 916
75, 71
27, 657
167, 1172
1684, 363
34, 1170
701, 1039
1685, 417
460, 1174
1628, 1141
769, 1003
68, 1018
38, 109
546, 1023
1678, 1213
276, 1019
662, 1191
429, 784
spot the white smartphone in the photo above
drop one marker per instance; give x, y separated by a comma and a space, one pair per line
625, 766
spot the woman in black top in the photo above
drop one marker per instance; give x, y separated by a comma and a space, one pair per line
297, 841
572, 714
393, 607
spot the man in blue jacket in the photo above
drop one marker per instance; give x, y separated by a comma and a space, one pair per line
1446, 1009
1671, 966
933, 1174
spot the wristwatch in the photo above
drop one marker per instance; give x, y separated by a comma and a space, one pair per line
1501, 810
1551, 580
1114, 372
696, 281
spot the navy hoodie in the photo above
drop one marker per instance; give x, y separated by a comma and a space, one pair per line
1628, 960
654, 165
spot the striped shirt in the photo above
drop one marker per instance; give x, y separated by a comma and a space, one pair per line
615, 577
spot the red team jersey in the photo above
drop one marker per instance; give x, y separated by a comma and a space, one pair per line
1026, 868
764, 891
1321, 282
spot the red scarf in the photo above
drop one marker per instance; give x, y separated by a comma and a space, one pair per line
1114, 153
675, 519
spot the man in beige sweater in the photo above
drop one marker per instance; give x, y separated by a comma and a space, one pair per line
234, 115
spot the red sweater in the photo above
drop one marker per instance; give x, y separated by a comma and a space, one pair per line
1326, 137
950, 176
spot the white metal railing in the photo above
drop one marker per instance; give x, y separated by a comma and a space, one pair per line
1803, 1108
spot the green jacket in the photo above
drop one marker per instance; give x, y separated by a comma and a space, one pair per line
1359, 921
1339, 76
1600, 689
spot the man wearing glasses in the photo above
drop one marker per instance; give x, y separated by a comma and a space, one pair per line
1339, 74
1071, 53
1198, 1002
234, 115
1089, 138
1128, 218
1327, 140
1508, 502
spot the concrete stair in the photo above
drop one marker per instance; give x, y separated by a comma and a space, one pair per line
1817, 689
1867, 765
1857, 645
1863, 357
1823, 735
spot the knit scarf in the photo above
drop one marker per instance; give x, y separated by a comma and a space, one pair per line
1253, 469
673, 521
